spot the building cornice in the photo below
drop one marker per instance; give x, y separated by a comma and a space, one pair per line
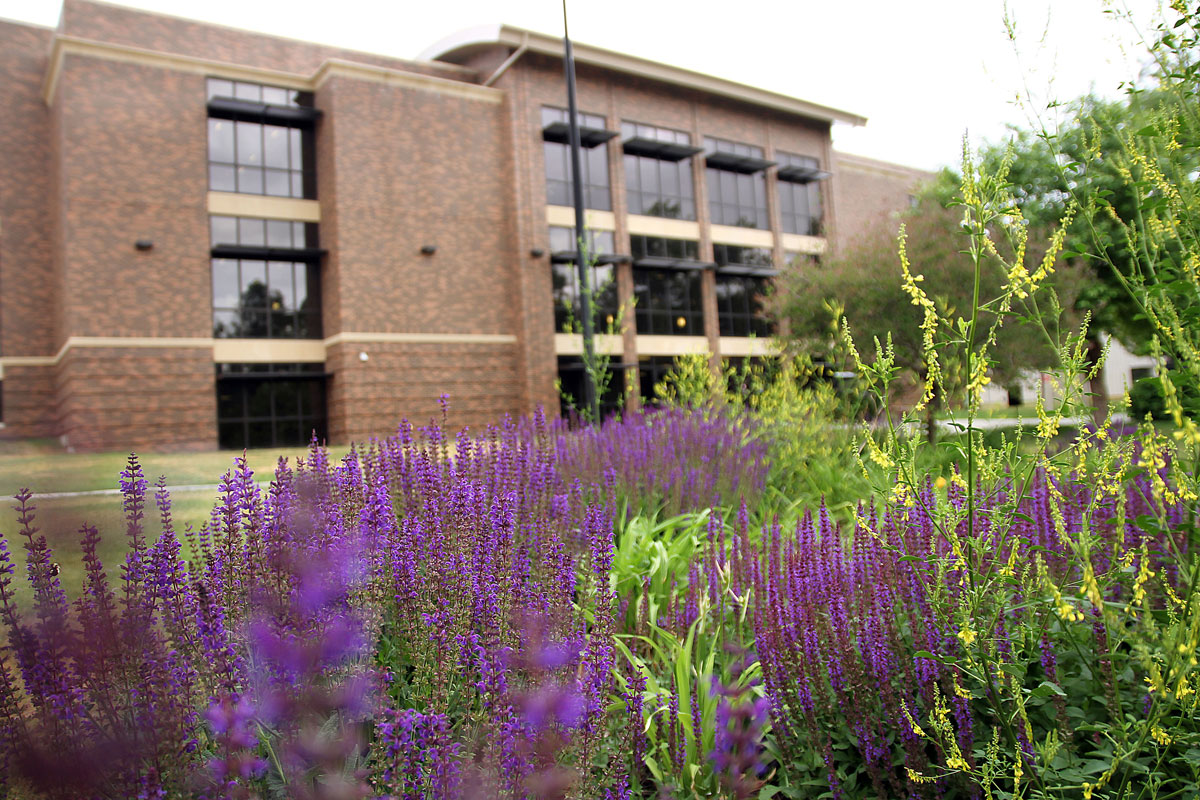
64, 45
531, 41
338, 68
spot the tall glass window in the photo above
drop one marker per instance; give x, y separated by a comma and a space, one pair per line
737, 184
260, 140
258, 291
669, 301
658, 179
593, 159
565, 276
800, 194
740, 308
270, 405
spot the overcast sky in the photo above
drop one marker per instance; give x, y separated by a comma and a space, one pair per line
923, 72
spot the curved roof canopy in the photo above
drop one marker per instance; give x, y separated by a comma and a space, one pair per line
460, 47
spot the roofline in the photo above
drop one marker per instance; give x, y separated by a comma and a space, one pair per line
507, 35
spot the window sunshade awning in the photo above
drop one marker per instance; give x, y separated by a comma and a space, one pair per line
802, 174
667, 151
746, 269
665, 262
588, 137
747, 165
229, 108
268, 253
568, 257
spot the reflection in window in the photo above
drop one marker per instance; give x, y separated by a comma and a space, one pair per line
565, 277
270, 405
594, 161
254, 151
662, 247
256, 232
732, 254
255, 299
658, 187
740, 308
668, 301
736, 198
800, 202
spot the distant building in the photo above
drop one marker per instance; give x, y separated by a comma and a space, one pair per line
213, 237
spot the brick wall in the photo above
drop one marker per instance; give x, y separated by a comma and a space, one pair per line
27, 280
869, 193
167, 34
159, 399
404, 381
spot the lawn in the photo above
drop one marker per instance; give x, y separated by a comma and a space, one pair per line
44, 468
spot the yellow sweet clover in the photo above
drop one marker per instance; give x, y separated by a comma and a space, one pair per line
917, 777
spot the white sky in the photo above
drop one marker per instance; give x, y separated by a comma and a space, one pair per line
923, 72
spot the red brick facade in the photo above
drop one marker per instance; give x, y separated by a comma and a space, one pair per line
105, 144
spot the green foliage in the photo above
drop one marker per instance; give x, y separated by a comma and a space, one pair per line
853, 290
797, 408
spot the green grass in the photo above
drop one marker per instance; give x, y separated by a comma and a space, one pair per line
59, 520
42, 467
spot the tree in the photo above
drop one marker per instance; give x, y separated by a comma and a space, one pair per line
864, 285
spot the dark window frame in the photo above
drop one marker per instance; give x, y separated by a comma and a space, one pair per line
249, 123
801, 208
606, 303
740, 305
597, 189
648, 178
251, 389
736, 197
664, 297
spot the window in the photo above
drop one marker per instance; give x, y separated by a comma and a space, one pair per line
658, 171
270, 405
740, 305
570, 382
732, 254
660, 247
565, 276
593, 159
260, 140
669, 301
652, 370
800, 194
266, 279
737, 184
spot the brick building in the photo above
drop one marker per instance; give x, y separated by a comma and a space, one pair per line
209, 236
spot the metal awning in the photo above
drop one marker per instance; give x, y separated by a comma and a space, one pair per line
795, 174
229, 108
746, 269
664, 262
735, 163
269, 253
588, 137
568, 257
667, 151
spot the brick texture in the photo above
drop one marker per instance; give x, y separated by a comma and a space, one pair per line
869, 193
404, 381
27, 281
146, 399
167, 34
